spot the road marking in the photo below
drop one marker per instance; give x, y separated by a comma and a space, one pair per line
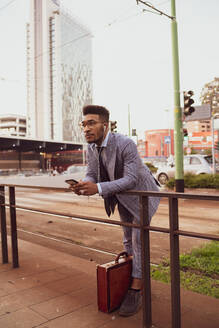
67, 217
65, 242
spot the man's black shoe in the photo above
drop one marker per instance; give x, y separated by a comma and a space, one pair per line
131, 303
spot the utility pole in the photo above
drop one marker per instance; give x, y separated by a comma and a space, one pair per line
179, 178
178, 129
178, 135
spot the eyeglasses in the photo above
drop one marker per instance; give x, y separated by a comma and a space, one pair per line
89, 124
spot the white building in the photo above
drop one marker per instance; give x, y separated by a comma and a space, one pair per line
13, 125
59, 75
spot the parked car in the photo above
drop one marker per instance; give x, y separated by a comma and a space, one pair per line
196, 164
77, 171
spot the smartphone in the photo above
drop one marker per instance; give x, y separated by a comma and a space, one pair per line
71, 181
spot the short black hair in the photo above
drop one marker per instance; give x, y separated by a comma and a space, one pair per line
99, 110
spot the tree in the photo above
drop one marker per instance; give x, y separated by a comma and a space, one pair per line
193, 151
210, 95
216, 145
207, 151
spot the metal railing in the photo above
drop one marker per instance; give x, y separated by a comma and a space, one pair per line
145, 228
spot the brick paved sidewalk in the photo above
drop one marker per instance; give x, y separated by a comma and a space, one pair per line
52, 289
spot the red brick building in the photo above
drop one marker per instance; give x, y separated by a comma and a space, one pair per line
199, 141
159, 143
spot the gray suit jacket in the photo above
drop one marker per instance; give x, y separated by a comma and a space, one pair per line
126, 172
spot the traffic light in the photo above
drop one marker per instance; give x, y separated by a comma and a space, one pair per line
134, 133
113, 126
185, 132
188, 101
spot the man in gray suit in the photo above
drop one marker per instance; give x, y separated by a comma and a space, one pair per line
114, 166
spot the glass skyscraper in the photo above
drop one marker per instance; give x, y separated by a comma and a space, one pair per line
59, 72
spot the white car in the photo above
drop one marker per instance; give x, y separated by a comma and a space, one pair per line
196, 164
77, 171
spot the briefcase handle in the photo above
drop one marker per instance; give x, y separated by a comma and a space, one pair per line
120, 255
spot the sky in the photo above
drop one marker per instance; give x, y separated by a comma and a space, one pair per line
132, 56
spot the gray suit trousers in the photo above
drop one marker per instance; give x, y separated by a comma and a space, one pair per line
131, 240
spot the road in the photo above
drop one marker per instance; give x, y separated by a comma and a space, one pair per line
79, 237
57, 181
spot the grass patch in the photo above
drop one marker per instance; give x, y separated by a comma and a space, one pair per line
199, 270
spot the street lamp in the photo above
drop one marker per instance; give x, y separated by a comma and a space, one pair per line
212, 131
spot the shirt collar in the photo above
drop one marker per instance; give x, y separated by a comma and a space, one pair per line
104, 142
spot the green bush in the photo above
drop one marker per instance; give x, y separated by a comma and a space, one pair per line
171, 183
197, 181
151, 167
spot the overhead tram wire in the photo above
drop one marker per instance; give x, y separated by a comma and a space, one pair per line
119, 17
65, 44
8, 4
60, 46
125, 19
156, 10
115, 21
107, 25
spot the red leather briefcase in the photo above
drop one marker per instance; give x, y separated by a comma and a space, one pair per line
113, 281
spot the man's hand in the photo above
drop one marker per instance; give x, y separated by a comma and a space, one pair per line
86, 188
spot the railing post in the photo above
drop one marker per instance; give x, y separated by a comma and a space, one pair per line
13, 227
174, 263
145, 260
3, 226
